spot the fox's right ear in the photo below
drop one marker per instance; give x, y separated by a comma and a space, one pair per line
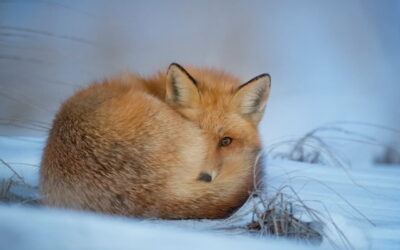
181, 89
252, 96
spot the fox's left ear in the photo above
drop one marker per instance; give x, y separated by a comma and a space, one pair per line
181, 88
251, 97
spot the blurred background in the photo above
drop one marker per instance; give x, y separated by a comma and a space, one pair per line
330, 61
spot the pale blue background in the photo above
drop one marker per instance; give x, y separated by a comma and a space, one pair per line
329, 60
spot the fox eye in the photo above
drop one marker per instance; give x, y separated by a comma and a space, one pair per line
225, 141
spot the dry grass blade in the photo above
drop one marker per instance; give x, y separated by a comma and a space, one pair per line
5, 186
12, 170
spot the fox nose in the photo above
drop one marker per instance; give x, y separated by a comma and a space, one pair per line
205, 177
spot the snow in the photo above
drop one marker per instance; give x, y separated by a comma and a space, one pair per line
41, 229
362, 202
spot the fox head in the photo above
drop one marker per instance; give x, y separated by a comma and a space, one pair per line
228, 113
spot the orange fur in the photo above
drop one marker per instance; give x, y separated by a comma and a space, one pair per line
137, 146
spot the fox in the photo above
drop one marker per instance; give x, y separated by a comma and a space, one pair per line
180, 144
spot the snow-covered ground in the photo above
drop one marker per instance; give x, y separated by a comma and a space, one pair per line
361, 203
42, 229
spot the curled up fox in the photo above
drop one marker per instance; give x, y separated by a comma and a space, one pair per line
180, 144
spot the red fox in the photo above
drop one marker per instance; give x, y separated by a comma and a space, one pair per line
178, 145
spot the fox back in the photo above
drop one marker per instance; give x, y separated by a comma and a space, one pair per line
180, 144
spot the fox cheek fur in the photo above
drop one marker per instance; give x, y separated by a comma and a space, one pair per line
178, 145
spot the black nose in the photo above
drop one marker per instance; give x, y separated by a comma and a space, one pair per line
205, 177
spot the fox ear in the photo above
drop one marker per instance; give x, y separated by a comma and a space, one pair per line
181, 89
252, 97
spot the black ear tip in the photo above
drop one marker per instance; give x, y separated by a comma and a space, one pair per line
174, 64
257, 78
266, 75
182, 69
262, 76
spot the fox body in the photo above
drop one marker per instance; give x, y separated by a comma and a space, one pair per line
180, 144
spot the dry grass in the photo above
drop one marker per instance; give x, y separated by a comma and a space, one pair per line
286, 215
16, 182
5, 186
276, 217
315, 146
8, 196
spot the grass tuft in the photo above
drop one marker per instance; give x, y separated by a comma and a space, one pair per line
314, 147
16, 182
276, 217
